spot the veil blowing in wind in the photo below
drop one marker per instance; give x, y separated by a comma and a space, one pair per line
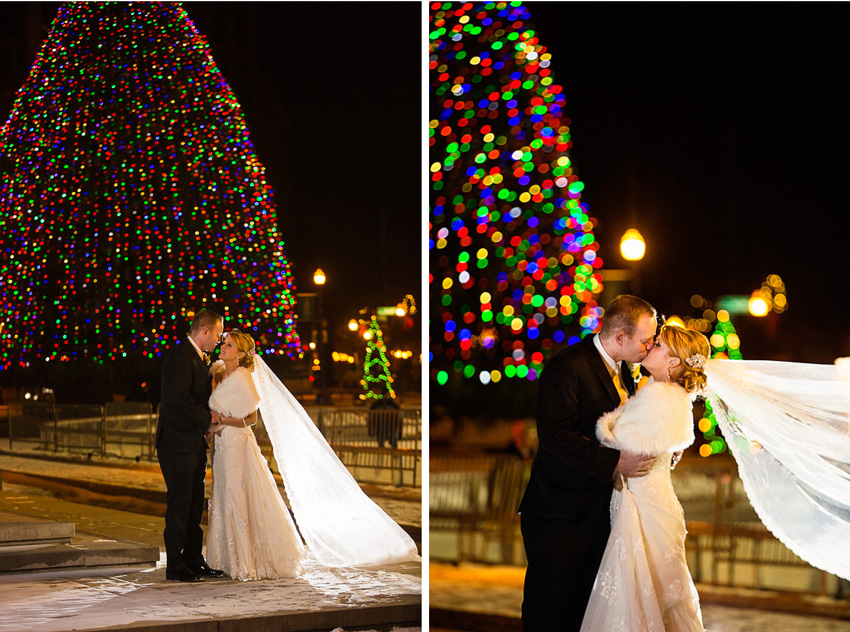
341, 525
788, 427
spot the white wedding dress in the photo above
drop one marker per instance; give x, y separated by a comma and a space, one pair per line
643, 583
251, 533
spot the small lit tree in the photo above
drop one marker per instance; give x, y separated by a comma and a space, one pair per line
376, 367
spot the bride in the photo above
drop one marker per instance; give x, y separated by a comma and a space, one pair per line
251, 534
643, 582
786, 424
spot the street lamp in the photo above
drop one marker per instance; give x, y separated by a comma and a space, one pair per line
758, 304
632, 245
320, 278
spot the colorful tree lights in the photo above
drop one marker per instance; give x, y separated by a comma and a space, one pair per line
725, 344
376, 367
134, 197
513, 257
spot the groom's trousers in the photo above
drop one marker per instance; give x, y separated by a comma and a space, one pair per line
563, 559
184, 475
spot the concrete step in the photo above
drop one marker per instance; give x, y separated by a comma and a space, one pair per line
28, 543
17, 530
80, 553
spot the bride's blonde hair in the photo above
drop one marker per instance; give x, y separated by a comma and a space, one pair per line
245, 344
692, 348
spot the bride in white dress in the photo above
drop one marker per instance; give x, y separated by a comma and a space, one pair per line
251, 533
643, 582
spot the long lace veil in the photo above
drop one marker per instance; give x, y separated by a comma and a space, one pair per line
341, 525
788, 426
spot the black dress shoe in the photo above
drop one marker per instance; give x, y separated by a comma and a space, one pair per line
183, 576
205, 571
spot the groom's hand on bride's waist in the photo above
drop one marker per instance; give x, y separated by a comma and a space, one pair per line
634, 465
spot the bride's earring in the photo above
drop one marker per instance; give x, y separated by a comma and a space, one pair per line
669, 376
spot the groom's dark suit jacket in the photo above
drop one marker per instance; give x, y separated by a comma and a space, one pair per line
184, 413
565, 516
571, 477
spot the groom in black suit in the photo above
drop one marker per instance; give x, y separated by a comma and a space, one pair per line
564, 512
184, 417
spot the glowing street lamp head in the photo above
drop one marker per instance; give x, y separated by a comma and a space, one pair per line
758, 305
319, 277
632, 245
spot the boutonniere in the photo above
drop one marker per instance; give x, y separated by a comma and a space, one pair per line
637, 377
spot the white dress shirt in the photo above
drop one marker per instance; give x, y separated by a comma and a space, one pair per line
198, 349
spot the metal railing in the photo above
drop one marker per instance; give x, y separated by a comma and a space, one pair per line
475, 498
473, 501
112, 429
382, 447
377, 448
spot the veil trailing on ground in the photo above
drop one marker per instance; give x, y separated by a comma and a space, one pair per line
341, 525
788, 427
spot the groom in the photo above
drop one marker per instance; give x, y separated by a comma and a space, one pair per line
564, 513
181, 448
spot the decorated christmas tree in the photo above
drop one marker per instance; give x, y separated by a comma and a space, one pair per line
725, 344
377, 379
513, 258
132, 196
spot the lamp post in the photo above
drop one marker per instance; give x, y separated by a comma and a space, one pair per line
758, 304
319, 279
633, 249
632, 245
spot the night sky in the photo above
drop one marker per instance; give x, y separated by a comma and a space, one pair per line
721, 132
333, 110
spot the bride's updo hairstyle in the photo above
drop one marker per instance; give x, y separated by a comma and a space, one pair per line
692, 348
245, 344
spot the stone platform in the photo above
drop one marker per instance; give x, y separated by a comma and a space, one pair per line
124, 598
143, 601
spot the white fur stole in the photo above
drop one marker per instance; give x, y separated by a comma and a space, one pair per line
236, 396
657, 420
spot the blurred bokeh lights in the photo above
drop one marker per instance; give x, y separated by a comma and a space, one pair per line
513, 259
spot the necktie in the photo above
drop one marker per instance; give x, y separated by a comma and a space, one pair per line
628, 382
618, 384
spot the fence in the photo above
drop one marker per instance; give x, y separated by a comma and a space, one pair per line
732, 550
473, 501
383, 447
112, 429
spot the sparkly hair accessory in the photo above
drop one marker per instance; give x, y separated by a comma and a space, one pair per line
696, 361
